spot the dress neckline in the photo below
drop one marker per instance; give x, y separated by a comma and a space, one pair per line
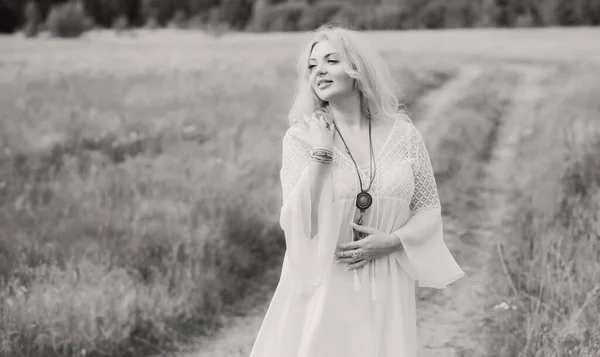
378, 155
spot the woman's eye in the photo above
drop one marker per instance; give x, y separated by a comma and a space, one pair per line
311, 66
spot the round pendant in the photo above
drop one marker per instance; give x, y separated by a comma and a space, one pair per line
363, 201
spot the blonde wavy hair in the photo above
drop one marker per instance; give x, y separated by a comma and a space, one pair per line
373, 81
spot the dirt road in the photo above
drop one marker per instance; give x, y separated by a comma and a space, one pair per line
451, 321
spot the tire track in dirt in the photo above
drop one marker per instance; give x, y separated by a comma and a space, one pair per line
450, 320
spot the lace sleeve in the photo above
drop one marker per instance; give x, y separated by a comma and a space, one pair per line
308, 245
426, 193
295, 158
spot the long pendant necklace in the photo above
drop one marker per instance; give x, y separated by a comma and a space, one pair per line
363, 198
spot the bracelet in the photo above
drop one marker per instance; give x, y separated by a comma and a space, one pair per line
322, 155
322, 148
321, 151
321, 159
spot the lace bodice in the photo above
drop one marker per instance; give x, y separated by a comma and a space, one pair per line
404, 170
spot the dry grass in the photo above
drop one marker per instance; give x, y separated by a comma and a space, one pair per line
552, 305
134, 209
139, 191
465, 138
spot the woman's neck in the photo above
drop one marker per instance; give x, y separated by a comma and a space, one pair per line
348, 114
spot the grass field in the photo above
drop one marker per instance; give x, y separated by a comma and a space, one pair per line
139, 192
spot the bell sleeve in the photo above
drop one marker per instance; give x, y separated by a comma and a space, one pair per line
304, 253
430, 261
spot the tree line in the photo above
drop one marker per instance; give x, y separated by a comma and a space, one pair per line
295, 15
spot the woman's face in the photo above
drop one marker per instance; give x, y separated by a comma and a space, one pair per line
327, 76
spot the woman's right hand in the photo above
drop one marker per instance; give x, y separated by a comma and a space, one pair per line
317, 131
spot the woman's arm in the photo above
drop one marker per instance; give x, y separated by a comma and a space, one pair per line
306, 201
302, 179
422, 236
424, 224
425, 207
317, 174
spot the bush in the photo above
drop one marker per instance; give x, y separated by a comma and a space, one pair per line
386, 17
236, 13
120, 24
151, 23
106, 12
283, 17
197, 22
432, 15
525, 20
459, 14
318, 14
33, 19
68, 20
179, 20
349, 16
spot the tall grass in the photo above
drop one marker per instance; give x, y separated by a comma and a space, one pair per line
552, 306
134, 211
460, 140
464, 137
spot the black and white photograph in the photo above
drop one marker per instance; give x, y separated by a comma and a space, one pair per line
300, 178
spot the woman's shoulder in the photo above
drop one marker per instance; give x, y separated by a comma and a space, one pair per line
409, 131
404, 123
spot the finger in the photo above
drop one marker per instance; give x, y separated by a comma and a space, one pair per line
344, 253
363, 229
320, 119
349, 245
345, 260
358, 264
350, 259
325, 124
328, 124
312, 123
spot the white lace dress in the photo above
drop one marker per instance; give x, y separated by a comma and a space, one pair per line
322, 309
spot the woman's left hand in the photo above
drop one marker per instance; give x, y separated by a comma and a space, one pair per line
377, 244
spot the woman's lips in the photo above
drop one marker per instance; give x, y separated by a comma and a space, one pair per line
324, 84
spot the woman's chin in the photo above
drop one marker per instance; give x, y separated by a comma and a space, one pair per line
336, 95
327, 96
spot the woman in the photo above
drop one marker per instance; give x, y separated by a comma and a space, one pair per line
360, 212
